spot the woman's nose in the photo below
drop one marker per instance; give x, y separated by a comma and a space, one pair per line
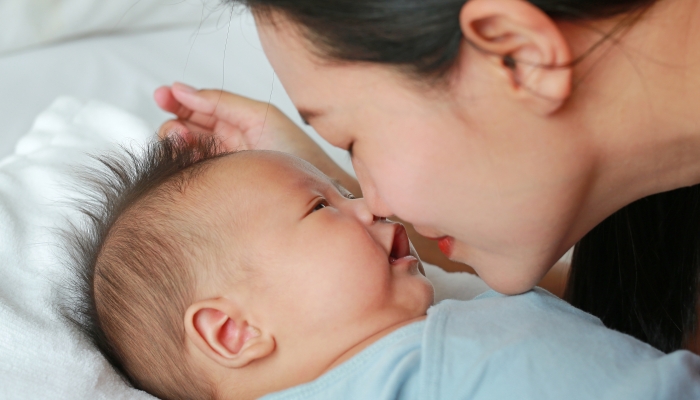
369, 192
376, 205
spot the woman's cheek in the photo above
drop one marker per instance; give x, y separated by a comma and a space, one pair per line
407, 194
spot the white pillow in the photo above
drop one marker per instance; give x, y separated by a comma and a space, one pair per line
41, 357
27, 23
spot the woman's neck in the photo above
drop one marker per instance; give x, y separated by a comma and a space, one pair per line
637, 98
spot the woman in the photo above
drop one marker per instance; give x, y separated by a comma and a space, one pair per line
511, 130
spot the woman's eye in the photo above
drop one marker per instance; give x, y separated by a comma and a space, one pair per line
321, 205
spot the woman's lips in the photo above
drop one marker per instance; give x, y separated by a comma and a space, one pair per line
446, 244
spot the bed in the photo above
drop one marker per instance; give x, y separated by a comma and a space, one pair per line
76, 77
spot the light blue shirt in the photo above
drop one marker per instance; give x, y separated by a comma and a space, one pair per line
531, 346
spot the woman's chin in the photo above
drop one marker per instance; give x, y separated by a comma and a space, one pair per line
509, 283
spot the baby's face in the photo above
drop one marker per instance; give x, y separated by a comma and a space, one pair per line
318, 266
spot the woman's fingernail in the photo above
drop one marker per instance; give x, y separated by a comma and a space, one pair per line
184, 88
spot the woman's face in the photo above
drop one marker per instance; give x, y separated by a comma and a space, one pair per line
464, 161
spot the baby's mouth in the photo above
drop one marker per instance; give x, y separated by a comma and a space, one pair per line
401, 255
400, 248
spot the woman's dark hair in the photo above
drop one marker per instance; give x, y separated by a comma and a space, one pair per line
638, 270
420, 36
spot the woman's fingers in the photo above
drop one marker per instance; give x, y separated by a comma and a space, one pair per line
182, 128
188, 131
166, 101
172, 127
210, 105
238, 121
195, 109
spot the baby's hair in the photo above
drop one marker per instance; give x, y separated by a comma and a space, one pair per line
134, 263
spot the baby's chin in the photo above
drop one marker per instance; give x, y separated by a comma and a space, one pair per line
419, 265
419, 268
423, 294
428, 292
430, 297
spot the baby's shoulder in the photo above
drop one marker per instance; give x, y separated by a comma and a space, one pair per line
535, 345
534, 325
387, 369
528, 311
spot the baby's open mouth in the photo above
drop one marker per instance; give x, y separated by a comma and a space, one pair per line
400, 248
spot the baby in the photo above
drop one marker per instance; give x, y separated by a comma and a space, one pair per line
211, 275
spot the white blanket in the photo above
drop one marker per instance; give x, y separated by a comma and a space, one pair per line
41, 357
30, 23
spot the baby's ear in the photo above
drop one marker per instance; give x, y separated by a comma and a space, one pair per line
217, 328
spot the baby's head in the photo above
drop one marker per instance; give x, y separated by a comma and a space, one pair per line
214, 275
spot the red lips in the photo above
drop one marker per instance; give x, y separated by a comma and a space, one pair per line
446, 244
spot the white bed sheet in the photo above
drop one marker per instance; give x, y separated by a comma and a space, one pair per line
32, 23
125, 69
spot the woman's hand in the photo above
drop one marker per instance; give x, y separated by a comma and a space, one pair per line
241, 123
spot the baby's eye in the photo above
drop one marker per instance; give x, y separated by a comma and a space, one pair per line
350, 196
321, 204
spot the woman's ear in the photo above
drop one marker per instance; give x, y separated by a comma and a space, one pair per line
528, 47
218, 329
